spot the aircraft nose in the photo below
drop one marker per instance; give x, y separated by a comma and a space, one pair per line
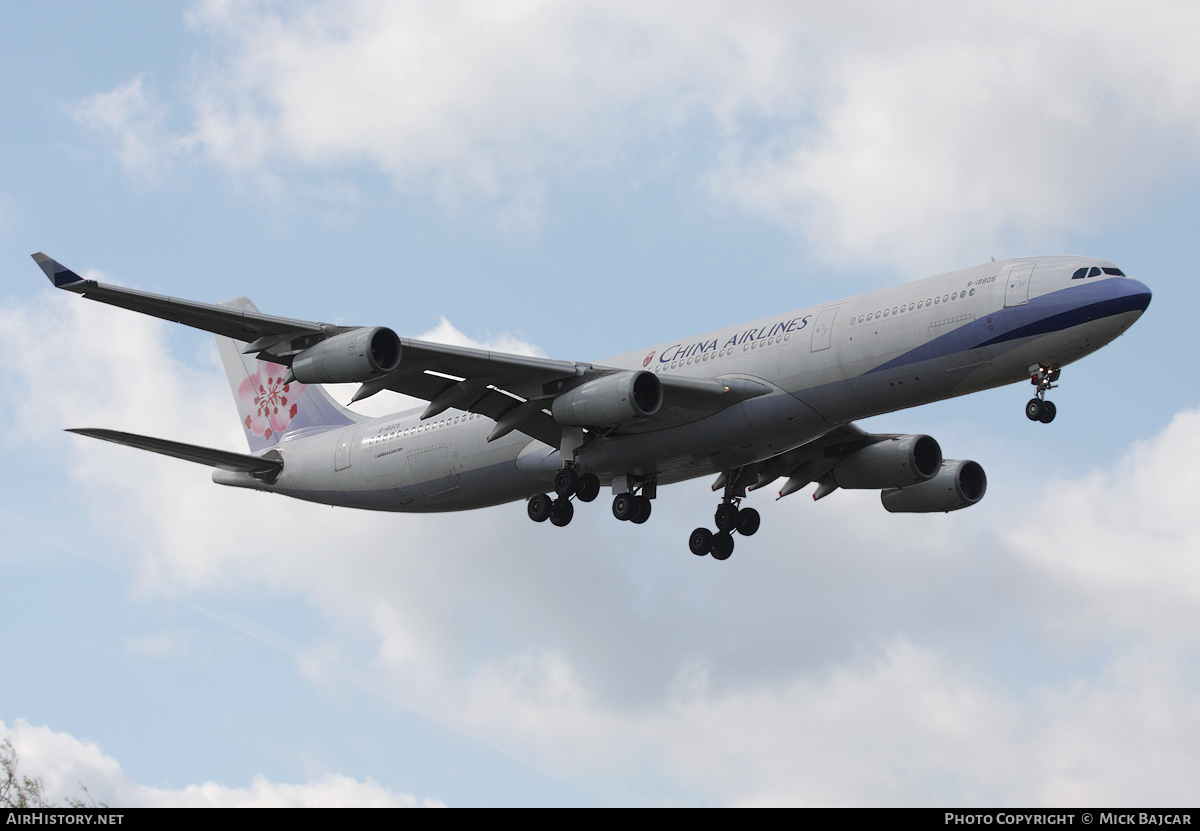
1133, 296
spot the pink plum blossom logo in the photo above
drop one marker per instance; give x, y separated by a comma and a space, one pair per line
646, 362
267, 401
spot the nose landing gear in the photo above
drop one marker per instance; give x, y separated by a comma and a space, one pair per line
1038, 408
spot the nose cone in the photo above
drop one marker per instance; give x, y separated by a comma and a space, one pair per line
1133, 296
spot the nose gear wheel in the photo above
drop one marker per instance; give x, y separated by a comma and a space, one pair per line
1038, 408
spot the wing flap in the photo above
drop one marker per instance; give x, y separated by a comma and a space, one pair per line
809, 462
463, 361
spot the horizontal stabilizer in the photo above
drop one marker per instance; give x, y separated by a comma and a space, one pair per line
260, 467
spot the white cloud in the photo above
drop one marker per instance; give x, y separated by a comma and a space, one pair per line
841, 657
879, 133
445, 332
136, 124
1125, 539
64, 763
959, 127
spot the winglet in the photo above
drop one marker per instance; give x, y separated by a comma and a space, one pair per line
58, 273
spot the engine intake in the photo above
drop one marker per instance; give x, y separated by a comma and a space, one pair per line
959, 484
620, 398
357, 355
893, 463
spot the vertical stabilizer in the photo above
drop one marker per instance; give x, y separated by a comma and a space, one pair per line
269, 408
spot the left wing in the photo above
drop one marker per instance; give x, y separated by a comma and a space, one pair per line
517, 391
473, 380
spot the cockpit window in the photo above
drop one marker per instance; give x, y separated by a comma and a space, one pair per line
1095, 271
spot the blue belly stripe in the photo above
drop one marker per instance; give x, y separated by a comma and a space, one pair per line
1051, 312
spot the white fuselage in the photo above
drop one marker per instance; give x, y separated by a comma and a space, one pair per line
827, 365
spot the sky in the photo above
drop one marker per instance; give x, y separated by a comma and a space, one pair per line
579, 180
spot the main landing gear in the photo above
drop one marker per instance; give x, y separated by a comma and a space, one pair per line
728, 518
629, 507
632, 503
567, 483
1038, 408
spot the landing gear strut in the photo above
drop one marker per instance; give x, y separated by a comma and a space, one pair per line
728, 519
1038, 408
568, 482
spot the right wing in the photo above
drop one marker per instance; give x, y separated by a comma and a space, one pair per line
809, 462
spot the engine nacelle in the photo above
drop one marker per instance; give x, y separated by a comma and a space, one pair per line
357, 355
959, 484
614, 399
892, 463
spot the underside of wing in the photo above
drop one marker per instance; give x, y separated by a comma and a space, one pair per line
807, 463
536, 396
908, 470
233, 323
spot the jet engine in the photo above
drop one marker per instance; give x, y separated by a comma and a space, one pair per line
357, 355
614, 399
959, 484
892, 463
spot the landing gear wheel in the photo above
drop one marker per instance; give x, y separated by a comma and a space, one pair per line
539, 507
1033, 410
726, 516
588, 488
566, 482
722, 546
701, 541
748, 521
562, 512
642, 510
1049, 411
624, 506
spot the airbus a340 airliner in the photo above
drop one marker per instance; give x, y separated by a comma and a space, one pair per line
768, 400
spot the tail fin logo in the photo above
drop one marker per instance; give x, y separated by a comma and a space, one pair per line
269, 402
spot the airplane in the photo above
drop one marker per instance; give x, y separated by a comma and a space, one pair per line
772, 399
